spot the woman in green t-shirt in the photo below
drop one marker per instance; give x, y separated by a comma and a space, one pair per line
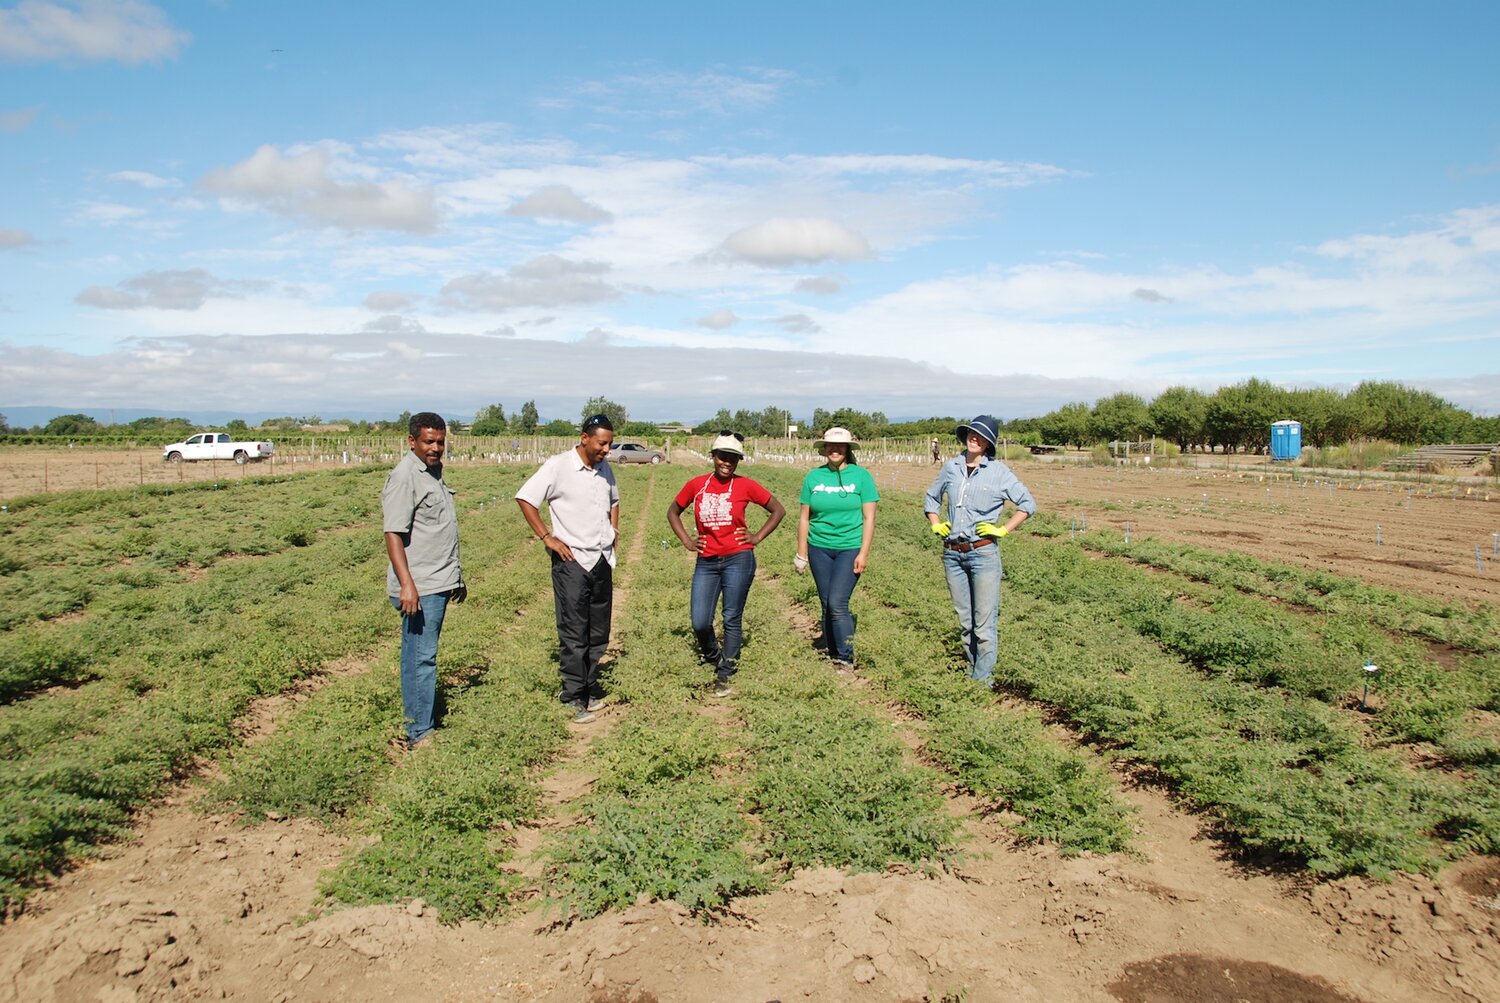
834, 533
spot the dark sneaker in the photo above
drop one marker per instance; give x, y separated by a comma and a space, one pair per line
422, 742
581, 713
722, 688
595, 704
842, 666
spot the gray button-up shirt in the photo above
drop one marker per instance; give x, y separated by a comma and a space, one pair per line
579, 498
417, 504
977, 497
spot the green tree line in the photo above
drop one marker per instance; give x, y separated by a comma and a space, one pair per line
1238, 418
1231, 419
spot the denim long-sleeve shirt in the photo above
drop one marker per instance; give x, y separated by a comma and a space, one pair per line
976, 497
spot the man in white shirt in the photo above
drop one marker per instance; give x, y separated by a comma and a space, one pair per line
584, 504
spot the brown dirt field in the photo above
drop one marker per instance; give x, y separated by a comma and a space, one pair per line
202, 906
39, 471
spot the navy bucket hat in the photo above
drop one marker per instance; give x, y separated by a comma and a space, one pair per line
984, 426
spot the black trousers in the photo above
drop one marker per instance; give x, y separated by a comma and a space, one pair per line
584, 600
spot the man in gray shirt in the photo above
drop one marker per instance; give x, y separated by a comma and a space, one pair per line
584, 503
421, 537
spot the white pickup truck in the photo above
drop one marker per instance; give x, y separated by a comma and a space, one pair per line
216, 446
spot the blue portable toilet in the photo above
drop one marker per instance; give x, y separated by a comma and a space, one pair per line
1286, 440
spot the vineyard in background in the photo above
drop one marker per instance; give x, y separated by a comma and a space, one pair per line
140, 625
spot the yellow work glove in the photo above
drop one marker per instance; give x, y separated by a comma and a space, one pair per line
990, 529
942, 528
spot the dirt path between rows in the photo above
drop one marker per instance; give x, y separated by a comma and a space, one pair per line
199, 907
570, 777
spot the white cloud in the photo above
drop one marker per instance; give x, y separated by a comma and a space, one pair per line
105, 214
820, 285
546, 281
145, 179
656, 93
14, 238
559, 202
796, 323
370, 373
169, 290
1151, 296
1454, 243
394, 324
718, 320
303, 186
778, 242
389, 301
125, 31
17, 121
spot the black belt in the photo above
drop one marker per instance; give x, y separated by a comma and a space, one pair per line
964, 548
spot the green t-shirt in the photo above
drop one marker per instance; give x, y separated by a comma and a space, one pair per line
836, 499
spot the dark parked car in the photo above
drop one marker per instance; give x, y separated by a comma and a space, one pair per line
630, 452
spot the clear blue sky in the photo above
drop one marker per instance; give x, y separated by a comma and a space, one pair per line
362, 207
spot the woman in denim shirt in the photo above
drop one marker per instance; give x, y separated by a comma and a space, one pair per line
977, 487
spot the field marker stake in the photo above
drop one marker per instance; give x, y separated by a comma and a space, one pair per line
1478, 561
1370, 671
1495, 547
1377, 534
1127, 534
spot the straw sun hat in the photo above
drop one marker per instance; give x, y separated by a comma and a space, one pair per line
838, 437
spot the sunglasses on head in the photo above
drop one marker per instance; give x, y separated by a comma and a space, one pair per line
738, 437
598, 421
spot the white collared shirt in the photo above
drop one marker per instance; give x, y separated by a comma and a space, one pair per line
579, 498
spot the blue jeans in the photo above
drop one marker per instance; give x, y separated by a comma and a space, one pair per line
833, 572
419, 646
974, 582
728, 576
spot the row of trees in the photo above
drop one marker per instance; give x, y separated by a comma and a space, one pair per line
1231, 419
1238, 418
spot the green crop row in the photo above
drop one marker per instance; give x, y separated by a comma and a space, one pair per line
908, 644
1279, 771
169, 670
65, 552
440, 815
1244, 635
822, 779
1470, 628
665, 817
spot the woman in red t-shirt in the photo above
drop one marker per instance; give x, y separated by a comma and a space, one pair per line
726, 551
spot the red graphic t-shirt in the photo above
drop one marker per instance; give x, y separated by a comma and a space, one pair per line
719, 509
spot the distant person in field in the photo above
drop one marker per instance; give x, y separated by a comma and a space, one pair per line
976, 486
726, 551
937, 452
421, 537
834, 532
583, 502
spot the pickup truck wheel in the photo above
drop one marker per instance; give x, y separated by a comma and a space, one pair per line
174, 457
240, 457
